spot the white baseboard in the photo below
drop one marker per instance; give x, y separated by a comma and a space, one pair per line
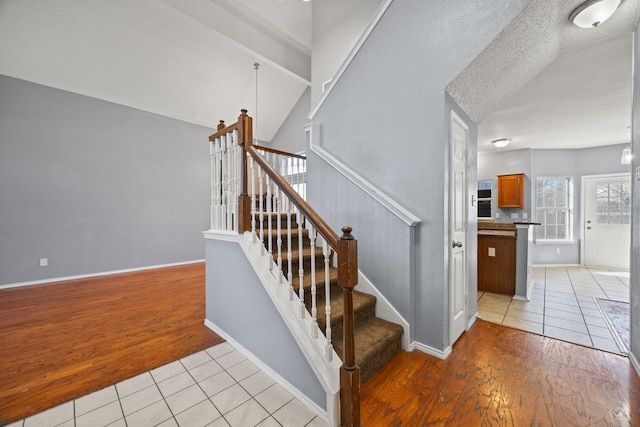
384, 309
102, 273
314, 407
440, 354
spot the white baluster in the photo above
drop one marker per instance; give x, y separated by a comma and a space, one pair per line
236, 178
212, 209
229, 189
314, 311
326, 251
269, 223
289, 266
299, 177
253, 199
219, 189
260, 177
215, 179
303, 179
279, 229
225, 179
301, 266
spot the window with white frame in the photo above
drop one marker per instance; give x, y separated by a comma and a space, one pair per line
613, 201
554, 208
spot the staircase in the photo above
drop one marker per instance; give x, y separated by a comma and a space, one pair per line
302, 262
376, 340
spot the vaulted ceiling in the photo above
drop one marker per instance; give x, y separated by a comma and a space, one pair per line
190, 60
543, 82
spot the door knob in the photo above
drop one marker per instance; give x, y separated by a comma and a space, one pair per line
455, 244
588, 228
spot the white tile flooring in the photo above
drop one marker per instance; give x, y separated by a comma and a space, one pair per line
215, 387
562, 305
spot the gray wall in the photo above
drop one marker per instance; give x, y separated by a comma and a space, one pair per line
238, 304
336, 27
635, 224
387, 119
95, 186
505, 163
291, 135
539, 163
391, 270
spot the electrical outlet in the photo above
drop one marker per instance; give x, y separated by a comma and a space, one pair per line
557, 251
514, 215
525, 215
44, 262
497, 214
492, 251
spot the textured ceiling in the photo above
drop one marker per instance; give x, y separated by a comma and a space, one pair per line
545, 83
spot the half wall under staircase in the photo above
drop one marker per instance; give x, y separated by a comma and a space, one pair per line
303, 264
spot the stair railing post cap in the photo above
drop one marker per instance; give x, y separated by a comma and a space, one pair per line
347, 233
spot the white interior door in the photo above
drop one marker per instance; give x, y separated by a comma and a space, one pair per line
458, 228
606, 229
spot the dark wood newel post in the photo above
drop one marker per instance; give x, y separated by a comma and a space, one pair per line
245, 136
349, 372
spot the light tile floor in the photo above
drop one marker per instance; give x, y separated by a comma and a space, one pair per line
562, 305
215, 387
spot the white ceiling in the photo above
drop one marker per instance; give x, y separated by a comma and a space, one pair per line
543, 82
192, 60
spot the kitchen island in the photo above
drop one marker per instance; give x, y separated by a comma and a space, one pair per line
497, 258
504, 264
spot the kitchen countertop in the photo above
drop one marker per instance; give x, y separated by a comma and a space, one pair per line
504, 233
486, 225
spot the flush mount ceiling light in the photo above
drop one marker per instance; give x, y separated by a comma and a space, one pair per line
592, 13
501, 142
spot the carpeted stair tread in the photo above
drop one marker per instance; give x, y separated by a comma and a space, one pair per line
364, 308
274, 220
320, 280
283, 233
283, 214
377, 341
295, 257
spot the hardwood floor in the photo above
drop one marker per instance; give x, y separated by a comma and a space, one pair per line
63, 340
497, 376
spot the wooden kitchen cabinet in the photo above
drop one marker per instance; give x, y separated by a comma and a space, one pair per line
497, 261
511, 191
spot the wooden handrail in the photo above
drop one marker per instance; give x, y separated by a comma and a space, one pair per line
280, 152
310, 214
345, 247
223, 131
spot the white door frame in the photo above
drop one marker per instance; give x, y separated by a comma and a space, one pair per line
458, 265
583, 188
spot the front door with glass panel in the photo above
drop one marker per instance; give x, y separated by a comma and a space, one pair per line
606, 230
